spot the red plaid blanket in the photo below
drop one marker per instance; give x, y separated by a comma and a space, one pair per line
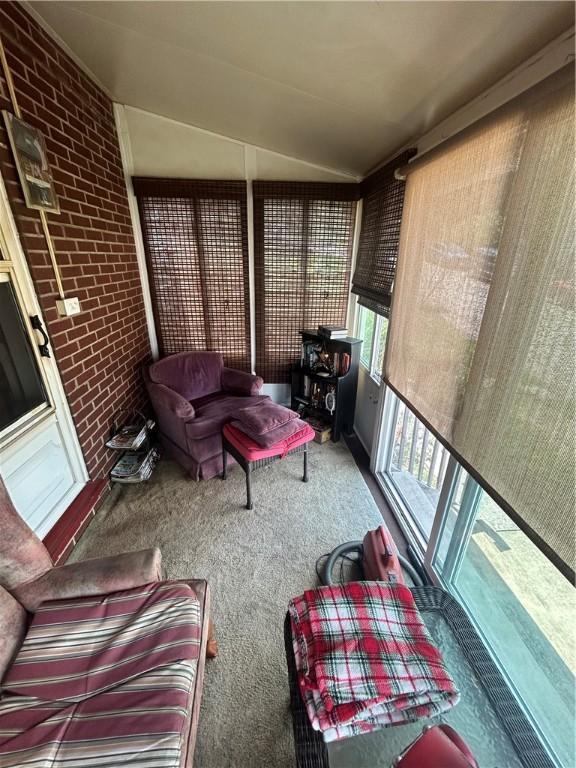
365, 659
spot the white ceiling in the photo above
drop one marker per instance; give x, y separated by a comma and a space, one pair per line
341, 84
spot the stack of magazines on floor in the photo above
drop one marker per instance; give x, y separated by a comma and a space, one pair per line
130, 438
135, 467
365, 659
139, 458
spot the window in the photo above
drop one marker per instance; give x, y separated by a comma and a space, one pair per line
373, 330
365, 331
21, 387
303, 236
522, 605
196, 242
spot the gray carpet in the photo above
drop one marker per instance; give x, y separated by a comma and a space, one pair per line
254, 561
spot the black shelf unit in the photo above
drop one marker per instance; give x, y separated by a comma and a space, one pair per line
343, 386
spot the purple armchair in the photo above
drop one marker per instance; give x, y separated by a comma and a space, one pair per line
193, 395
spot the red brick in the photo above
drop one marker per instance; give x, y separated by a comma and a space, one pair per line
100, 351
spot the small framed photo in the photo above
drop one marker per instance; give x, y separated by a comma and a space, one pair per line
29, 151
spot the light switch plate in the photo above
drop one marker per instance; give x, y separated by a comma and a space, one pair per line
68, 307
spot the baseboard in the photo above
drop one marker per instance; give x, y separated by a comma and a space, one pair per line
62, 538
362, 443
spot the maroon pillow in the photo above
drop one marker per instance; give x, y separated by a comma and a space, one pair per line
268, 439
264, 419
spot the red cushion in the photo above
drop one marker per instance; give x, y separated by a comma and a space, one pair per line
251, 451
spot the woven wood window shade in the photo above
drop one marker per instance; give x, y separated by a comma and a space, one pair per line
303, 253
383, 200
481, 341
196, 242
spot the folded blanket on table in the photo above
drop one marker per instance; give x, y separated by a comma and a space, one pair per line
365, 659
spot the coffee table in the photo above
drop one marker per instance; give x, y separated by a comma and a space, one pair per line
250, 455
487, 717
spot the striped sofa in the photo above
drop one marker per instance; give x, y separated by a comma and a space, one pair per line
101, 662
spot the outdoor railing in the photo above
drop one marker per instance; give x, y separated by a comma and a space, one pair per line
416, 450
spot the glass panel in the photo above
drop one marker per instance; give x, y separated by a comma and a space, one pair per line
417, 467
524, 607
380, 348
366, 321
21, 387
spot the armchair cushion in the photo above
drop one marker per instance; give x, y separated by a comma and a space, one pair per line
191, 374
240, 383
13, 620
92, 577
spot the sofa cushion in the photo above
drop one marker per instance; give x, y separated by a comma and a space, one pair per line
143, 722
116, 637
150, 720
191, 374
253, 451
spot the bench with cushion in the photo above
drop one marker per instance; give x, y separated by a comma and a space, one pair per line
101, 663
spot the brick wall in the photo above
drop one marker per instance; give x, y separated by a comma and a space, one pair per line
100, 350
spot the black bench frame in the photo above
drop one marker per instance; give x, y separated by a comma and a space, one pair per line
249, 466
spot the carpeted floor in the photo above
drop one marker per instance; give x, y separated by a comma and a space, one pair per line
254, 561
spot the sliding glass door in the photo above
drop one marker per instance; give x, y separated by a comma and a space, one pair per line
520, 603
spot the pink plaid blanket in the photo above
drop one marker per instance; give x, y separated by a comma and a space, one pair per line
365, 659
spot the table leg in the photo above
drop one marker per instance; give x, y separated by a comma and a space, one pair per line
224, 462
305, 476
212, 643
248, 471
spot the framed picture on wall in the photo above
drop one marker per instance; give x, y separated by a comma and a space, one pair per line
29, 151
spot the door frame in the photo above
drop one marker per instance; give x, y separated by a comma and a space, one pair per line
58, 407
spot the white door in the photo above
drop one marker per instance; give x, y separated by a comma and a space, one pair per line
40, 459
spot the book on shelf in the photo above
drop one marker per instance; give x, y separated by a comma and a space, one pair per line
333, 331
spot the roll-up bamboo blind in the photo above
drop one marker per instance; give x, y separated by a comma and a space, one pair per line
303, 252
383, 200
196, 242
481, 341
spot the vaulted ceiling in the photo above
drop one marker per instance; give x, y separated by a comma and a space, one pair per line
341, 84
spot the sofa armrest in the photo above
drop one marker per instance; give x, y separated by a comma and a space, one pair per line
98, 576
240, 383
165, 399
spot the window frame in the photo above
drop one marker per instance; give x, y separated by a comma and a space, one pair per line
372, 367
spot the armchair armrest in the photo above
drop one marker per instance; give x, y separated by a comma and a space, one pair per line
240, 383
92, 577
165, 399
